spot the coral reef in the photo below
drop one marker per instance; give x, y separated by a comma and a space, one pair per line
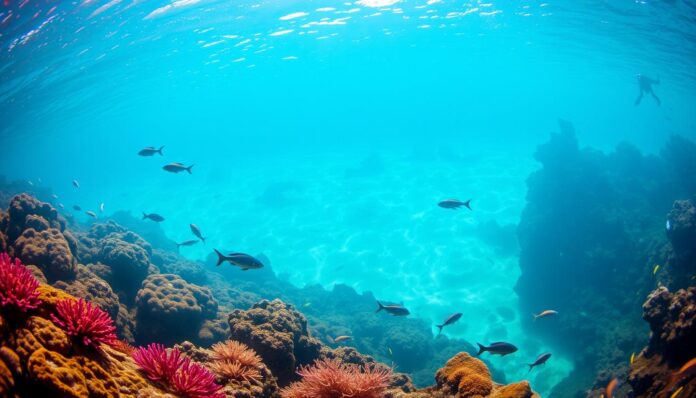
85, 322
17, 286
586, 253
171, 310
672, 319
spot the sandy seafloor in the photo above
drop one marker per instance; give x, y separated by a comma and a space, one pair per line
370, 221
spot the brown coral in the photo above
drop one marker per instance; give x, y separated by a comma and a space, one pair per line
170, 309
465, 376
279, 334
89, 286
49, 250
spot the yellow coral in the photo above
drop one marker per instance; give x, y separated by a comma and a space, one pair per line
57, 374
6, 380
465, 376
38, 333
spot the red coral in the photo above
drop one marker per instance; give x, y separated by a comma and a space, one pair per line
332, 378
86, 322
187, 379
157, 363
195, 381
17, 285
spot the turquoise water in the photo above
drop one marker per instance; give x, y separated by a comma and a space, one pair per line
324, 133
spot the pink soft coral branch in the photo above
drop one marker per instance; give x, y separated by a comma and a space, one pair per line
17, 285
84, 321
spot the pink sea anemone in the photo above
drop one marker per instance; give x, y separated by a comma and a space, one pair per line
158, 363
17, 285
85, 322
330, 378
185, 378
195, 381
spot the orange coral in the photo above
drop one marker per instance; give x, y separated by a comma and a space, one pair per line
234, 351
330, 378
465, 376
515, 390
236, 361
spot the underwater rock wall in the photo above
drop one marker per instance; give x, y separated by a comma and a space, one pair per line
54, 344
584, 251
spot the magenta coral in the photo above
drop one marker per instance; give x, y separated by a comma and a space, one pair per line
85, 322
157, 363
195, 381
187, 379
17, 285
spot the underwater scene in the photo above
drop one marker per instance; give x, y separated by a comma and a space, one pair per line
348, 199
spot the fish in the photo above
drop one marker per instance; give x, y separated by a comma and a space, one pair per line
197, 231
677, 392
668, 225
241, 260
396, 310
498, 348
339, 339
31, 184
151, 150
544, 314
307, 305
655, 269
541, 359
153, 216
61, 206
633, 356
454, 204
609, 391
449, 321
186, 243
54, 196
101, 208
688, 369
91, 214
77, 208
177, 168
75, 183
391, 354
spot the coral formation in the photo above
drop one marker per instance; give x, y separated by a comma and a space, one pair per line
332, 378
85, 322
170, 309
17, 286
465, 376
672, 319
236, 361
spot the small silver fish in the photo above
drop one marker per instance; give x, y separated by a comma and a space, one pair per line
54, 196
186, 243
197, 231
149, 151
75, 183
241, 260
454, 204
449, 321
91, 214
177, 168
153, 216
668, 225
101, 208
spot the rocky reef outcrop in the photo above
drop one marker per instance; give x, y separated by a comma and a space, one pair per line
591, 235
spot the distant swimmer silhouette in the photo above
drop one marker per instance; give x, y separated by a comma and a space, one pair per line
645, 86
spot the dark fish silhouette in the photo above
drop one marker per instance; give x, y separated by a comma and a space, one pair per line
396, 310
153, 216
149, 151
449, 321
499, 348
77, 208
177, 168
454, 204
197, 231
75, 183
241, 260
186, 243
541, 359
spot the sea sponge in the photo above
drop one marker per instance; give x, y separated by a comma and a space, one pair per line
49, 250
171, 309
515, 390
279, 334
464, 376
57, 374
